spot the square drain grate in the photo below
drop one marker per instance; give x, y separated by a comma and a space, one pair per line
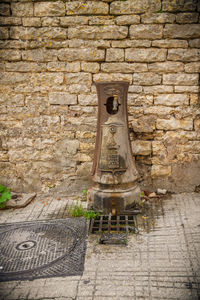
42, 249
110, 224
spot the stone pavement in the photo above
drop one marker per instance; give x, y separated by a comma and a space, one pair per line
161, 262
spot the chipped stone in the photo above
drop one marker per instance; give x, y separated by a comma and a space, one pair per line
145, 55
85, 8
140, 147
84, 54
144, 79
184, 55
180, 79
172, 99
160, 171
95, 32
123, 67
44, 9
59, 98
182, 31
115, 55
146, 31
21, 9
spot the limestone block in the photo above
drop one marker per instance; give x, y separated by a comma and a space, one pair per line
62, 98
170, 43
100, 44
72, 146
174, 124
135, 89
21, 9
88, 99
4, 34
74, 78
131, 44
139, 100
75, 20
10, 21
40, 55
186, 89
4, 156
150, 32
115, 54
44, 9
145, 55
101, 20
32, 33
157, 147
160, 111
123, 67
10, 78
134, 6
140, 147
167, 67
12, 99
146, 78
91, 67
112, 77
194, 99
64, 67
50, 21
4, 9
197, 125
85, 135
46, 79
182, 31
94, 32
87, 146
194, 43
128, 20
187, 18
78, 88
171, 99
81, 54
22, 66
144, 124
158, 18
82, 157
158, 89
193, 67
180, 79
160, 171
85, 8
84, 169
10, 55
31, 22
184, 54
180, 5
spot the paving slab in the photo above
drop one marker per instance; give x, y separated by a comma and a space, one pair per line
161, 262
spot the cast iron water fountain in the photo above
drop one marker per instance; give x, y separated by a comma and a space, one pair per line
114, 174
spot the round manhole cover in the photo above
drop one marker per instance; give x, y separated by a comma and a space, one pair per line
33, 247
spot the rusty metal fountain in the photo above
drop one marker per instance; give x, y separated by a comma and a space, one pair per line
114, 174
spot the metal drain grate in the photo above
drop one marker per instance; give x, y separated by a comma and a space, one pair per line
114, 224
31, 250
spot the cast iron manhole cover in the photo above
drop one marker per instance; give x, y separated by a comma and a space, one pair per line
38, 249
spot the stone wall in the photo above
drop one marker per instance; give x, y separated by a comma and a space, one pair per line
51, 54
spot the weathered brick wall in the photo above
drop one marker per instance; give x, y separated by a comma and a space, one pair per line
52, 52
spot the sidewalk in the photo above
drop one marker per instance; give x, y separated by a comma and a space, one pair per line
161, 262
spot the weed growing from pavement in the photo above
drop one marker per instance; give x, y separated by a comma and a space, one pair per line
5, 195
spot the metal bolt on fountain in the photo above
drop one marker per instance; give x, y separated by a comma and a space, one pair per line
114, 174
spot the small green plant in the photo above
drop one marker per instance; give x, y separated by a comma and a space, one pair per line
90, 214
77, 210
5, 195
